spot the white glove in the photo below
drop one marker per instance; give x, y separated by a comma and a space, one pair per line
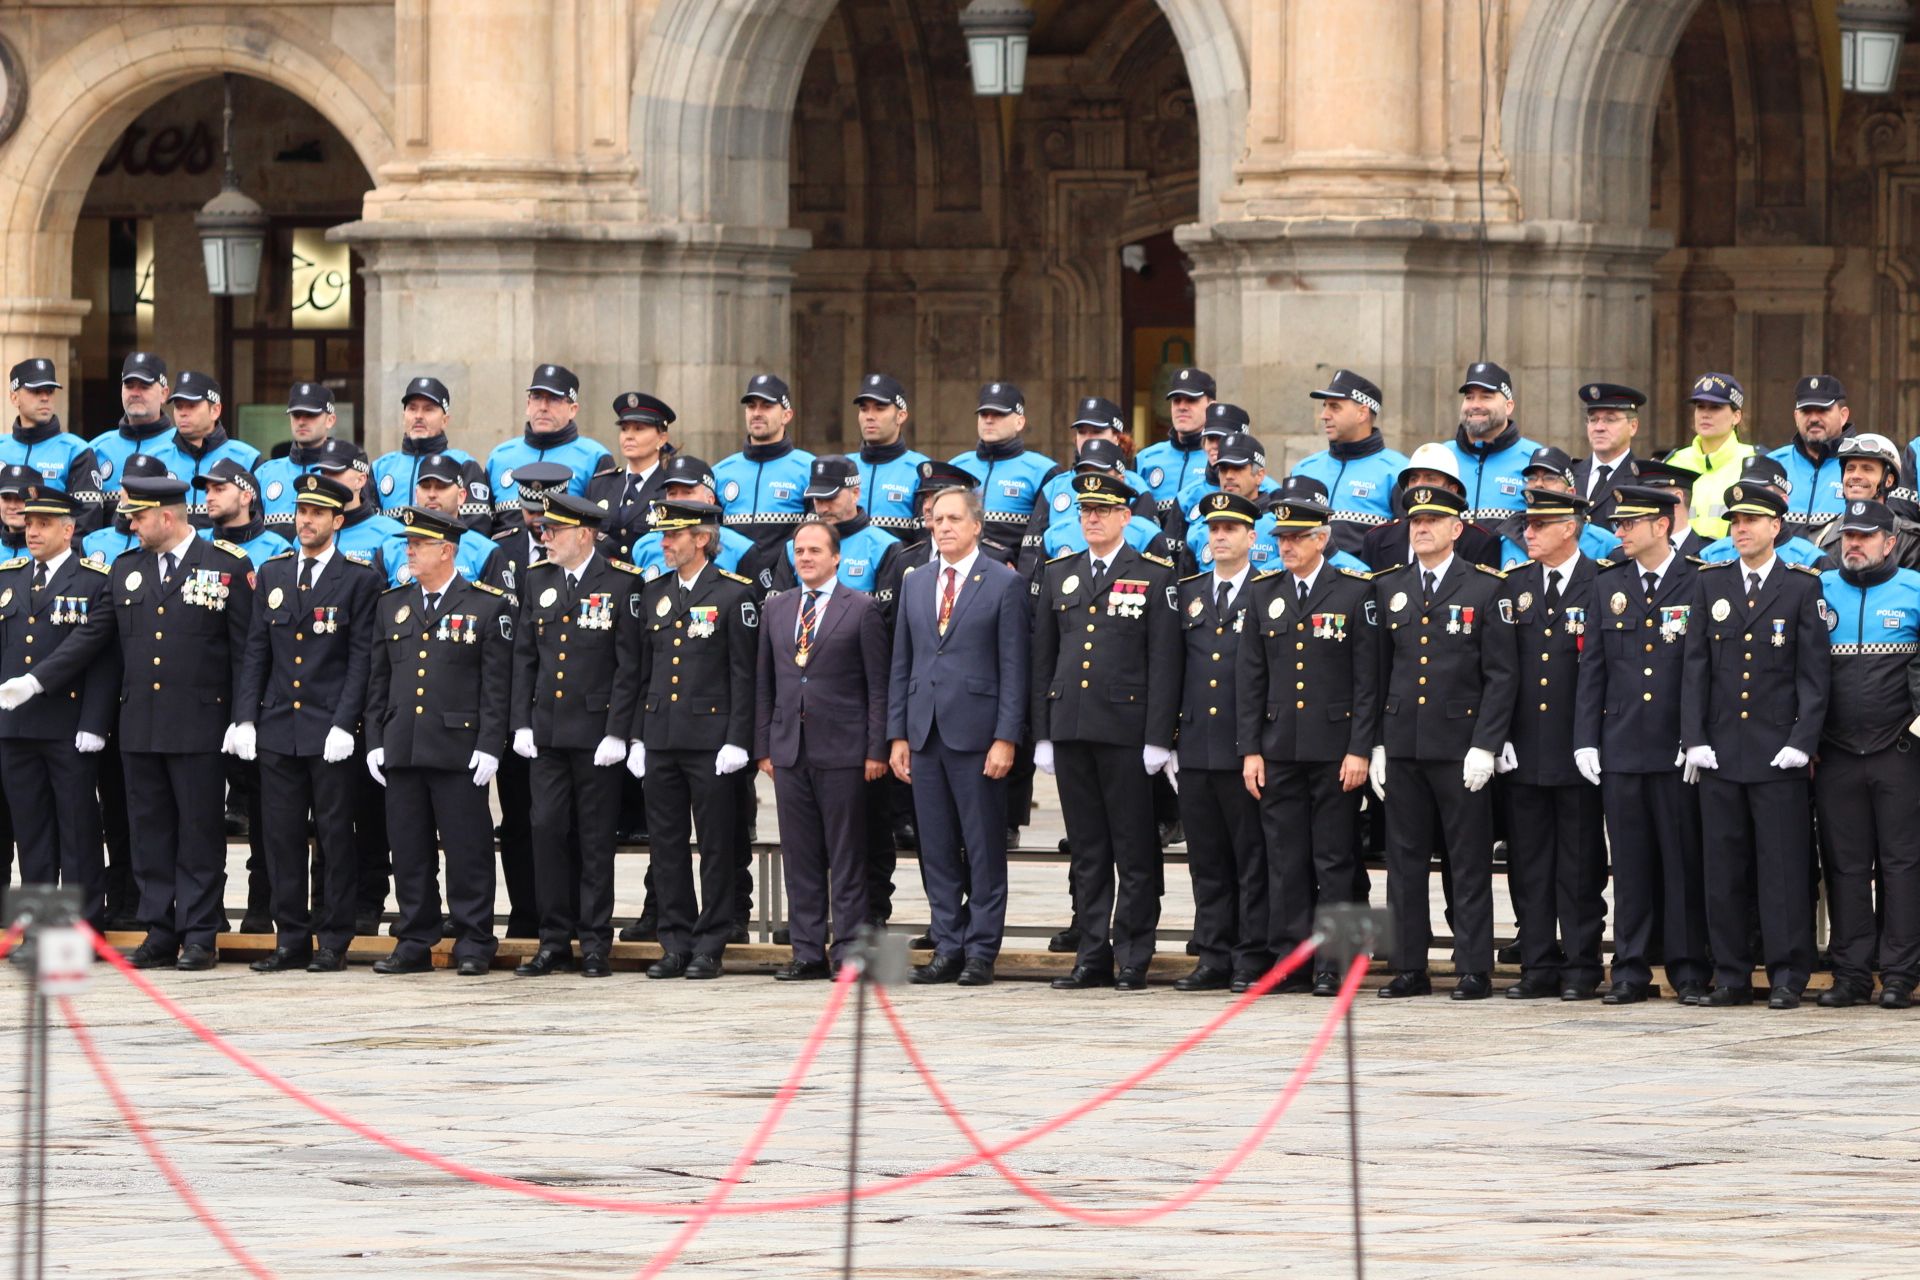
484, 767
523, 744
1914, 728
1043, 757
226, 740
1377, 771
1154, 759
611, 751
376, 761
17, 690
1173, 771
1694, 759
1508, 762
1790, 758
637, 759
1477, 771
1587, 761
242, 741
729, 759
88, 743
338, 746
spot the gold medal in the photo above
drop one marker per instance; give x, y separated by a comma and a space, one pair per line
134, 580
406, 611
547, 598
1618, 603
800, 658
274, 597
1070, 585
1525, 602
663, 608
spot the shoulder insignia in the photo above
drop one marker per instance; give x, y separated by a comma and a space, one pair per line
1523, 564
734, 577
229, 548
541, 563
1358, 573
16, 563
1490, 570
490, 590
1065, 555
1259, 577
624, 567
1162, 561
94, 565
358, 557
508, 532
1807, 569
1195, 577
405, 586
284, 555
1603, 563
1711, 564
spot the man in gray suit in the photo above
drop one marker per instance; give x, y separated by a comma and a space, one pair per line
956, 707
820, 734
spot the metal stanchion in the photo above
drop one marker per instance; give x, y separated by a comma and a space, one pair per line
880, 959
55, 956
1351, 930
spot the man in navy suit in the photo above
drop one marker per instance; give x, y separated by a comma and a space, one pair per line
956, 707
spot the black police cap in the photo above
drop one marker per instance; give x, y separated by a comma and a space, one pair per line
428, 389
1550, 458
1099, 455
429, 525
555, 380
769, 387
1241, 450
638, 406
882, 389
1489, 377
441, 467
1348, 385
829, 474
1864, 515
316, 490
939, 477
309, 397
1099, 413
684, 468
1224, 419
35, 374
194, 385
143, 366
227, 471
1001, 397
574, 512
1611, 395
1818, 391
1192, 384
336, 455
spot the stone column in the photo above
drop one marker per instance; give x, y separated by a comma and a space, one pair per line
41, 327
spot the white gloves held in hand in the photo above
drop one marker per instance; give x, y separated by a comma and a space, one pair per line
1694, 759
611, 751
1587, 761
376, 761
88, 743
729, 759
16, 691
241, 741
1377, 772
637, 760
1043, 757
1790, 758
523, 744
484, 767
338, 746
1477, 770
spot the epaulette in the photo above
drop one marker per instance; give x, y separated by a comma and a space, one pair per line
1064, 555
1489, 569
405, 586
508, 532
94, 565
1258, 577
1162, 561
1711, 564
1805, 568
1618, 564
1603, 563
1195, 577
624, 567
1523, 564
734, 577
284, 555
358, 557
229, 548
16, 563
535, 564
1356, 573
490, 590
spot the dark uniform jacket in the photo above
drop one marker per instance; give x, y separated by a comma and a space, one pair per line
35, 624
1106, 657
626, 512
1447, 667
180, 646
515, 549
1208, 737
696, 665
308, 653
1631, 669
1756, 674
1309, 678
1550, 641
576, 659
440, 682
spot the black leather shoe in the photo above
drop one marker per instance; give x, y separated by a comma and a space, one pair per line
252, 923
1509, 954
1242, 981
150, 955
1204, 978
1693, 993
1840, 997
1294, 984
906, 836
924, 942
1783, 998
1132, 978
802, 971
594, 965
1579, 991
641, 930
1326, 984
739, 937
940, 969
1727, 997
366, 924
1065, 942
282, 960
326, 960
194, 958
671, 965
543, 962
1472, 986
473, 967
1625, 993
783, 937
703, 967
1896, 995
1534, 988
975, 973
1084, 977
1410, 982
398, 963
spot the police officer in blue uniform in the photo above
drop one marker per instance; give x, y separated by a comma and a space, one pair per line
1487, 446
889, 470
1143, 532
49, 748
1098, 420
104, 545
1010, 474
232, 508
552, 435
1239, 466
626, 486
143, 427
1811, 460
688, 479
762, 487
1222, 420
303, 686
39, 443
199, 440
1357, 467
1549, 468
366, 533
425, 409
1169, 466
1870, 472
14, 483
441, 484
1867, 789
310, 423
1770, 474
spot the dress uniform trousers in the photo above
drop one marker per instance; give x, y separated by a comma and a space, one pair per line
680, 783
176, 812
1428, 806
576, 807
1557, 874
1312, 830
515, 781
1869, 807
1110, 830
50, 785
1653, 829
1758, 851
371, 851
243, 796
1227, 862
291, 789
428, 809
122, 894
824, 847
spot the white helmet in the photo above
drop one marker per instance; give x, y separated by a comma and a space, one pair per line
1432, 456
1870, 445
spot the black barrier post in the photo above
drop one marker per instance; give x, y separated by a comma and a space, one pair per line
34, 909
1352, 930
880, 959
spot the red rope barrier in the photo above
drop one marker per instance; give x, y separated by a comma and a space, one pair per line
138, 1125
11, 938
1137, 1217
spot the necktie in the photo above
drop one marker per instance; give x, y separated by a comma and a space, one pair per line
1601, 474
1553, 591
433, 602
39, 576
1652, 580
809, 618
1220, 597
1753, 588
946, 598
1300, 588
633, 487
1429, 581
1099, 570
306, 572
573, 584
166, 568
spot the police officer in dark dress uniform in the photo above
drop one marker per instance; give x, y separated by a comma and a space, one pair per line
1751, 710
1105, 704
576, 675
691, 732
436, 727
1308, 716
1557, 864
49, 748
627, 485
303, 685
1448, 678
180, 608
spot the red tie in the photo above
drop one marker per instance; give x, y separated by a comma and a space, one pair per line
946, 598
